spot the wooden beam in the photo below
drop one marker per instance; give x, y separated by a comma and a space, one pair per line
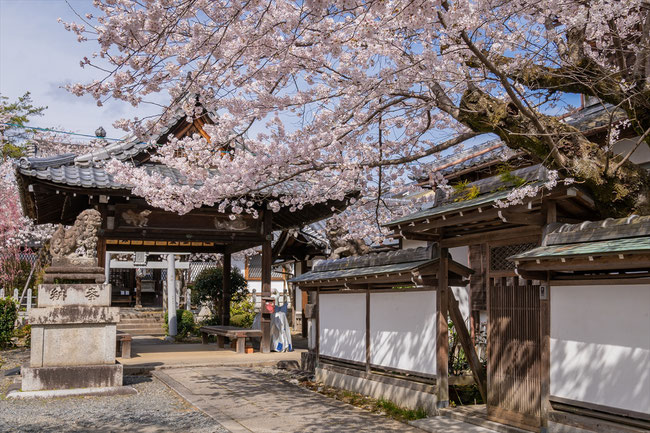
479, 238
480, 376
521, 218
419, 236
442, 331
267, 259
598, 262
280, 244
469, 216
532, 275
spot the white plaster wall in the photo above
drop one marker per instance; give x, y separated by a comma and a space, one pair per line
600, 345
640, 156
275, 285
343, 326
402, 331
460, 255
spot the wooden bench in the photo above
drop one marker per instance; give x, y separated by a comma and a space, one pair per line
123, 346
232, 332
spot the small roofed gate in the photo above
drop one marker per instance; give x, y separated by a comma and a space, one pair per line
514, 353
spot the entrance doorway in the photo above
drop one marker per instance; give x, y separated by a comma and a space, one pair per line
514, 353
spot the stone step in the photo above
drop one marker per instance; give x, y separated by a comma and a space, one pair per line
474, 418
140, 328
143, 315
140, 332
141, 320
122, 326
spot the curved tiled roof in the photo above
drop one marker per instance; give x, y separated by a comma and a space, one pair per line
606, 237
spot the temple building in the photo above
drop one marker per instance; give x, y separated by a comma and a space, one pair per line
56, 189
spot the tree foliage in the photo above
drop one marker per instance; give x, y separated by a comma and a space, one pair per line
208, 288
340, 95
14, 117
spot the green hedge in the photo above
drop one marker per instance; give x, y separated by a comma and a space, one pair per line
184, 324
8, 316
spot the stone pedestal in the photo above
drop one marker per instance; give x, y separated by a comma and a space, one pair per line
73, 331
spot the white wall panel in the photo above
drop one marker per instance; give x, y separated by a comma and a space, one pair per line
600, 345
403, 331
343, 326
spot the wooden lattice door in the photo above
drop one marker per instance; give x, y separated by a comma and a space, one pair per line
514, 353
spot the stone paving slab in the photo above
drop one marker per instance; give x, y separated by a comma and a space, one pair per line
149, 356
443, 424
243, 400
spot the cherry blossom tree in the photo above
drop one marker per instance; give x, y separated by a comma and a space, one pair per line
17, 232
318, 98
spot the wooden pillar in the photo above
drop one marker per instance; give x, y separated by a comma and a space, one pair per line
317, 326
304, 299
267, 261
225, 284
442, 328
545, 331
101, 252
138, 289
368, 329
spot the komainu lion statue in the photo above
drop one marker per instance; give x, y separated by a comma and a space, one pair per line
78, 241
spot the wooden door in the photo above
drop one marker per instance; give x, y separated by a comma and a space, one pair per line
514, 353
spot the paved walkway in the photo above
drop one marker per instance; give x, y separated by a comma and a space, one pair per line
154, 353
243, 400
443, 424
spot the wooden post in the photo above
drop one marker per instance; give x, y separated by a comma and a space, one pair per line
304, 298
466, 341
101, 251
545, 370
138, 290
317, 325
226, 285
267, 261
442, 328
368, 329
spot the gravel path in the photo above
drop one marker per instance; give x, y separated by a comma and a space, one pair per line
155, 409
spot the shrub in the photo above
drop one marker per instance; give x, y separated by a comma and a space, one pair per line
185, 324
24, 333
8, 315
242, 313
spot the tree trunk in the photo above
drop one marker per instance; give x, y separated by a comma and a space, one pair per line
617, 193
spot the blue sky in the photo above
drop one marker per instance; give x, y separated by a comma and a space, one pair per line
38, 55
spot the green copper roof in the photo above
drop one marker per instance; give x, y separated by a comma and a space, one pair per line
360, 272
612, 246
458, 206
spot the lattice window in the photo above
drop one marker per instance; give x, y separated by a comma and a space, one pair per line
499, 256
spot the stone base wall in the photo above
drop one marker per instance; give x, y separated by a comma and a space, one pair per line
72, 345
404, 393
87, 376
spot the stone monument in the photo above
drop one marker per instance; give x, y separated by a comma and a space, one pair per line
74, 326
